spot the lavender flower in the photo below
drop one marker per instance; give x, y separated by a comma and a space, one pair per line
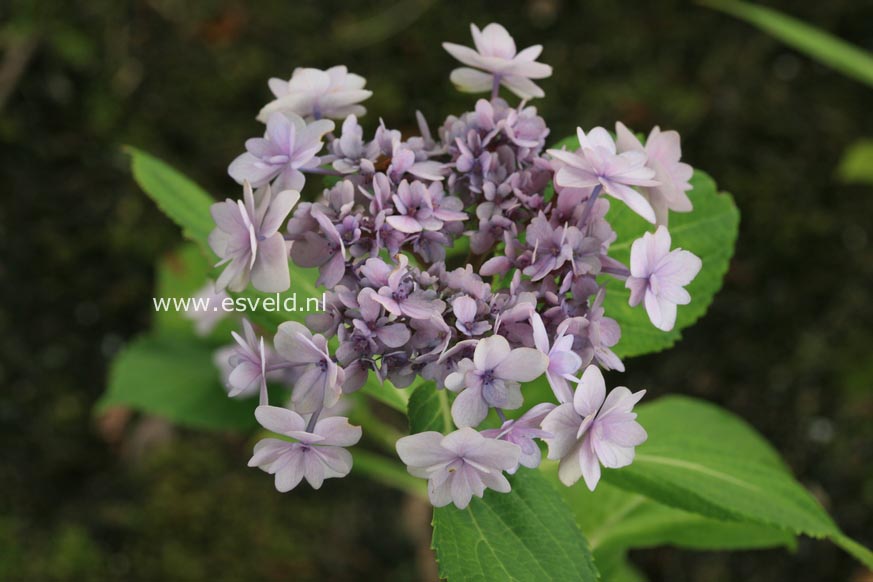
247, 239
496, 55
491, 379
459, 465
313, 94
563, 361
663, 152
324, 249
288, 147
596, 163
320, 382
319, 452
465, 309
522, 432
593, 429
249, 362
400, 296
659, 275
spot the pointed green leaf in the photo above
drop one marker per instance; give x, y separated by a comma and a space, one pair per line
179, 197
703, 460
526, 535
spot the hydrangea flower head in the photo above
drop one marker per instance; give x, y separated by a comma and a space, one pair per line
597, 163
288, 147
496, 62
491, 379
318, 453
247, 238
659, 276
315, 94
459, 465
593, 429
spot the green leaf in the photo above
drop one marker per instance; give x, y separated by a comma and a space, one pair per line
615, 519
429, 409
526, 535
825, 48
175, 378
186, 203
703, 460
856, 167
709, 231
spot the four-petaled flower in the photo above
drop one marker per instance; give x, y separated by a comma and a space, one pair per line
659, 276
459, 465
596, 163
593, 429
288, 147
247, 238
491, 379
497, 62
319, 452
313, 94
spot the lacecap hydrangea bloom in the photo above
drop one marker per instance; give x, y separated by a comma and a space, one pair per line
387, 219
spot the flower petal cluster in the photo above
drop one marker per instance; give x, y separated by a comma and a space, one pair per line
663, 152
316, 454
597, 163
314, 94
492, 379
659, 276
247, 239
495, 61
459, 465
288, 148
593, 430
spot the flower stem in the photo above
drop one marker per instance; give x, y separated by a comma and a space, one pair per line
495, 86
589, 204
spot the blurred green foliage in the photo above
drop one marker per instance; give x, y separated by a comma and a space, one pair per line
786, 344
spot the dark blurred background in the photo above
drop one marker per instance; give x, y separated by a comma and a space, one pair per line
787, 344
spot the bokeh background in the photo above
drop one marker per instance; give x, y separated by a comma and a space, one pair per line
787, 344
